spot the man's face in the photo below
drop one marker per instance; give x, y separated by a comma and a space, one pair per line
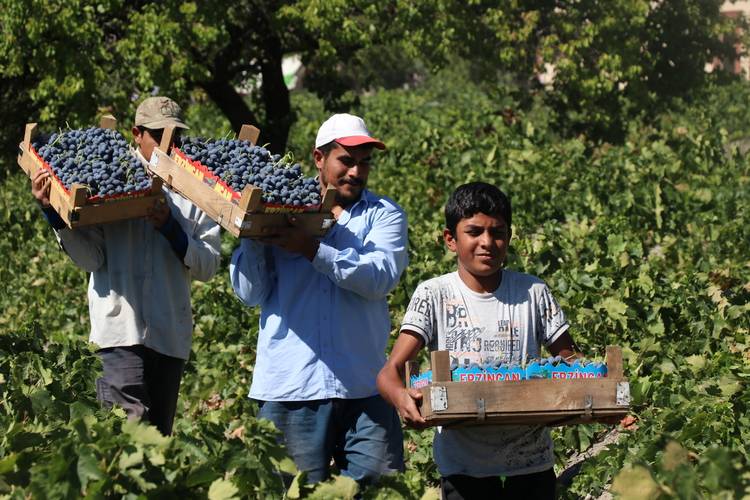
346, 169
149, 139
481, 244
145, 141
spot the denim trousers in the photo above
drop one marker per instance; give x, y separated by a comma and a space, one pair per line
362, 436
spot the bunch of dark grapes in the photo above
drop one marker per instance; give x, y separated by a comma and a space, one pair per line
239, 163
98, 158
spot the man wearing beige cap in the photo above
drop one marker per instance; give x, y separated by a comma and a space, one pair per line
139, 289
324, 319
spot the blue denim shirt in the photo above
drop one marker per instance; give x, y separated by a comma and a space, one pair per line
324, 324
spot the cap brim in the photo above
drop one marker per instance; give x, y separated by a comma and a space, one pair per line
158, 124
359, 140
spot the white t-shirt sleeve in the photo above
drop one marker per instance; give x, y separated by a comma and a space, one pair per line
420, 316
552, 320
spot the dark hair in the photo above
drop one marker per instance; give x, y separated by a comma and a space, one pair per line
327, 148
155, 133
473, 198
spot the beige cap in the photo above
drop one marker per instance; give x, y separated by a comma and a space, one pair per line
159, 112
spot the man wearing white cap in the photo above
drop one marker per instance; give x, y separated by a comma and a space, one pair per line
324, 317
139, 291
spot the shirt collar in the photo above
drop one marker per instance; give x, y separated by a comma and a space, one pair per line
364, 201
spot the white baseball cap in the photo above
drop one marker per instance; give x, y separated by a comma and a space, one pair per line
347, 130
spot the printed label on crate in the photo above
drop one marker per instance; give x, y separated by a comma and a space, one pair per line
421, 380
576, 370
224, 191
189, 165
533, 370
282, 209
478, 374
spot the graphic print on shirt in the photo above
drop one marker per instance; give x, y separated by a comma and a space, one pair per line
471, 339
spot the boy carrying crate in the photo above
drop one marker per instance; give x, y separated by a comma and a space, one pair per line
481, 313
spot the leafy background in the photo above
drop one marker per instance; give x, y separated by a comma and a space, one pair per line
632, 206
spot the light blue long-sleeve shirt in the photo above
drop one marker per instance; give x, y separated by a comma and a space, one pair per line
324, 324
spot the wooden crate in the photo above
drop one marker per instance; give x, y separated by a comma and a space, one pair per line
538, 401
246, 217
74, 206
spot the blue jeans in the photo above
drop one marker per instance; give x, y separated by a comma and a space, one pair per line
363, 436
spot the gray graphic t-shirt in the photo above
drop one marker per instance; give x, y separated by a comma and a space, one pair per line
511, 325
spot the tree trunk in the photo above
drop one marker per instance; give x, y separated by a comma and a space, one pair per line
275, 97
230, 102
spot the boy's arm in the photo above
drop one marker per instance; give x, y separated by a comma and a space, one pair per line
391, 380
564, 347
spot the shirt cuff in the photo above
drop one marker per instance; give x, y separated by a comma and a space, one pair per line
53, 218
324, 259
563, 328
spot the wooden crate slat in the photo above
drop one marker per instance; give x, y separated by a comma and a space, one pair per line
245, 218
108, 121
190, 185
536, 401
249, 133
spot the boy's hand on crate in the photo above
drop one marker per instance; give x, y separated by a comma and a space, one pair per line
406, 402
40, 186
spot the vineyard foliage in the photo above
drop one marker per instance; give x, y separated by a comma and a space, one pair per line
644, 244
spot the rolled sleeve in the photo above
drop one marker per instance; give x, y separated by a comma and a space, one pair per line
372, 270
203, 250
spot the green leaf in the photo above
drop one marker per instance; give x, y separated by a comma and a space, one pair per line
432, 493
128, 460
88, 467
8, 463
696, 362
287, 465
203, 474
615, 309
635, 483
729, 385
340, 487
145, 434
674, 456
222, 489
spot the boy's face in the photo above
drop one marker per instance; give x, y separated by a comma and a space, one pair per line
481, 244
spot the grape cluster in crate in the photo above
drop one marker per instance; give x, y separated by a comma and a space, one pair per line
239, 163
98, 158
546, 368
